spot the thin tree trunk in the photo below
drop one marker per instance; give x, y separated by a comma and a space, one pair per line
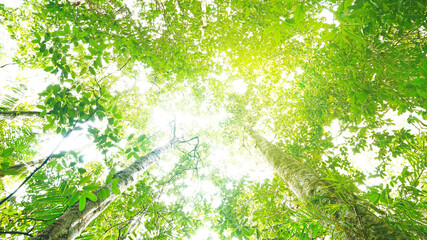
19, 114
19, 168
70, 224
353, 219
132, 225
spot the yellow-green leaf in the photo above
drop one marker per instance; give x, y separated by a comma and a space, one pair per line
82, 202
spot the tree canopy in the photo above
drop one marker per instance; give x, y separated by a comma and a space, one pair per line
282, 119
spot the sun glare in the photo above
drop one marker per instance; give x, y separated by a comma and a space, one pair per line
204, 233
12, 3
239, 86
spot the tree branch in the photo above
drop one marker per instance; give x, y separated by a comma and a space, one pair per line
47, 159
7, 64
19, 114
17, 233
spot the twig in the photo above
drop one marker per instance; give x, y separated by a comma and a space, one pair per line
152, 135
7, 64
47, 159
21, 233
116, 70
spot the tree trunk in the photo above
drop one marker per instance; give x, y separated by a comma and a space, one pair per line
353, 219
19, 114
19, 168
132, 225
72, 222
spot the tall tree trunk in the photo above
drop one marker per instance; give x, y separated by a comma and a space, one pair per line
70, 224
353, 219
19, 114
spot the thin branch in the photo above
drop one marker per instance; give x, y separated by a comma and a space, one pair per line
152, 135
17, 233
47, 159
173, 127
7, 64
106, 76
20, 114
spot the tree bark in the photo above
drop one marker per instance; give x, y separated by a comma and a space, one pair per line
354, 220
19, 114
70, 224
132, 225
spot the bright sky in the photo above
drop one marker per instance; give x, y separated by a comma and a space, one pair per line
12, 3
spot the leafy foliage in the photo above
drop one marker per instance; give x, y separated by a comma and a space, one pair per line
324, 88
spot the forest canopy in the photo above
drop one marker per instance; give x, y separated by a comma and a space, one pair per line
213, 119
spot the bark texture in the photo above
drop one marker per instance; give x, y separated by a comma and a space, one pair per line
19, 114
132, 225
353, 219
70, 224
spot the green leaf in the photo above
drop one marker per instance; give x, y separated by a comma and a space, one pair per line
423, 69
109, 177
7, 152
114, 138
91, 70
101, 194
277, 36
135, 155
81, 170
84, 180
142, 138
329, 36
362, 96
91, 187
420, 81
41, 107
355, 37
91, 196
5, 165
373, 197
67, 29
42, 47
115, 190
131, 136
48, 69
92, 51
11, 172
97, 62
83, 71
299, 13
143, 147
73, 153
104, 193
115, 181
82, 202
73, 199
43, 113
